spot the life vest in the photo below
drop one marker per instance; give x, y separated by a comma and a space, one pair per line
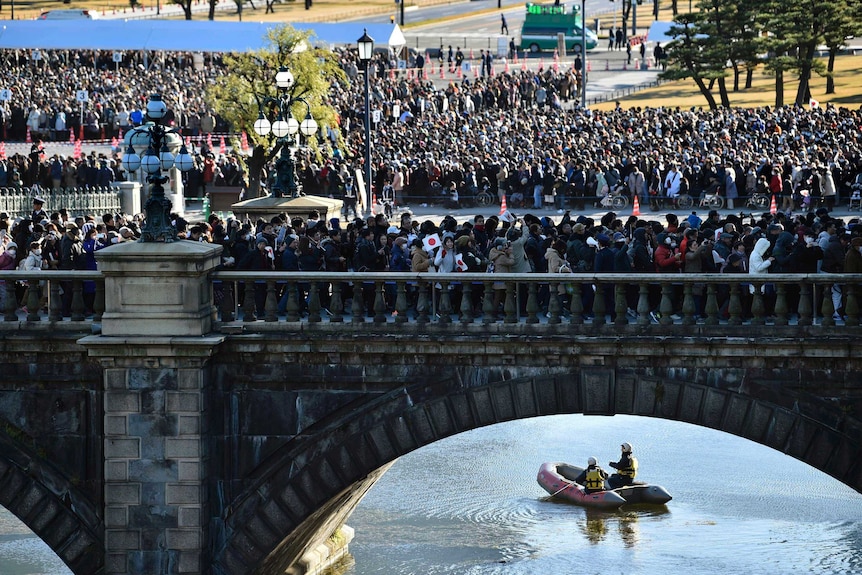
594, 481
630, 470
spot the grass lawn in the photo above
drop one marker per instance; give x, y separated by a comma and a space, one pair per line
684, 93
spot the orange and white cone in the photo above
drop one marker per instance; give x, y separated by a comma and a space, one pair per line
373, 203
243, 141
636, 207
773, 206
503, 208
28, 139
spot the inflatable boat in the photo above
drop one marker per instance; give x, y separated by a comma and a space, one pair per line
558, 479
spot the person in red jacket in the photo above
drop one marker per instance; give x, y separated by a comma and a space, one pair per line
667, 256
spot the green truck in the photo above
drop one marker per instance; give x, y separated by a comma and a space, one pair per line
545, 21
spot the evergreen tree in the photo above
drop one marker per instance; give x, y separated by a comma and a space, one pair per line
239, 95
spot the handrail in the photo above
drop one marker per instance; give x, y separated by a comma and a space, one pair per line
643, 299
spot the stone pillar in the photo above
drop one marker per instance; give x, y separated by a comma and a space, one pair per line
130, 197
155, 349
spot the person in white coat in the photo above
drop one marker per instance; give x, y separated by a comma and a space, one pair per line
672, 182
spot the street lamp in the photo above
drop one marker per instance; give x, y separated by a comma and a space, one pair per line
284, 128
366, 51
584, 53
161, 144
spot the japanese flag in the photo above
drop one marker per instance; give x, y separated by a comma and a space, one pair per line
813, 103
459, 262
432, 242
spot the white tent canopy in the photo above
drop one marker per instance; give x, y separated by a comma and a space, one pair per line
176, 35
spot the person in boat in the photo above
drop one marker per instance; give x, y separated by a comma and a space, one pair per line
593, 477
627, 468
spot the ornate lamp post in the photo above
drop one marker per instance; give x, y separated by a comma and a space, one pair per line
161, 144
366, 51
284, 128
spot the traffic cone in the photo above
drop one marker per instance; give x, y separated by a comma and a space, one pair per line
524, 65
222, 149
80, 132
442, 72
77, 152
210, 141
373, 203
507, 65
773, 207
243, 141
503, 208
425, 73
71, 136
28, 140
607, 65
2, 150
636, 207
589, 66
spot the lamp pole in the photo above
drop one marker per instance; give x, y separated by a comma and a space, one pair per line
584, 53
158, 142
284, 128
366, 50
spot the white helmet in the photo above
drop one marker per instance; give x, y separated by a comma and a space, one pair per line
592, 461
627, 447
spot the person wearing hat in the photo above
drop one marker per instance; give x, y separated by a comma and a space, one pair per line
8, 262
39, 213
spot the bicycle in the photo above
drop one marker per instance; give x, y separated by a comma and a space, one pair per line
616, 200
757, 200
687, 202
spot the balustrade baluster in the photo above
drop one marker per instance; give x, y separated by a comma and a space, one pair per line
314, 302
55, 303
554, 307
379, 302
248, 314
688, 307
466, 302
734, 306
422, 315
445, 311
643, 304
827, 309
851, 305
99, 300
533, 303
576, 307
11, 303
358, 307
757, 305
805, 308
511, 305
488, 312
227, 306
620, 304
711, 308
599, 308
336, 304
292, 305
401, 302
666, 305
781, 304
33, 297
78, 307
270, 304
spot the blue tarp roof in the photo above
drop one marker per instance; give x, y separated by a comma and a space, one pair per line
175, 35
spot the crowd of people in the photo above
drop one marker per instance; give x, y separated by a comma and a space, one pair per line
517, 135
506, 134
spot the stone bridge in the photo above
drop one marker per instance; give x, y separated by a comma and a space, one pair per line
166, 438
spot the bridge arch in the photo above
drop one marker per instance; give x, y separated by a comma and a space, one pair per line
52, 506
313, 474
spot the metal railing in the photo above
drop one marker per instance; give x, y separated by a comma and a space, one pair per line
791, 300
18, 202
